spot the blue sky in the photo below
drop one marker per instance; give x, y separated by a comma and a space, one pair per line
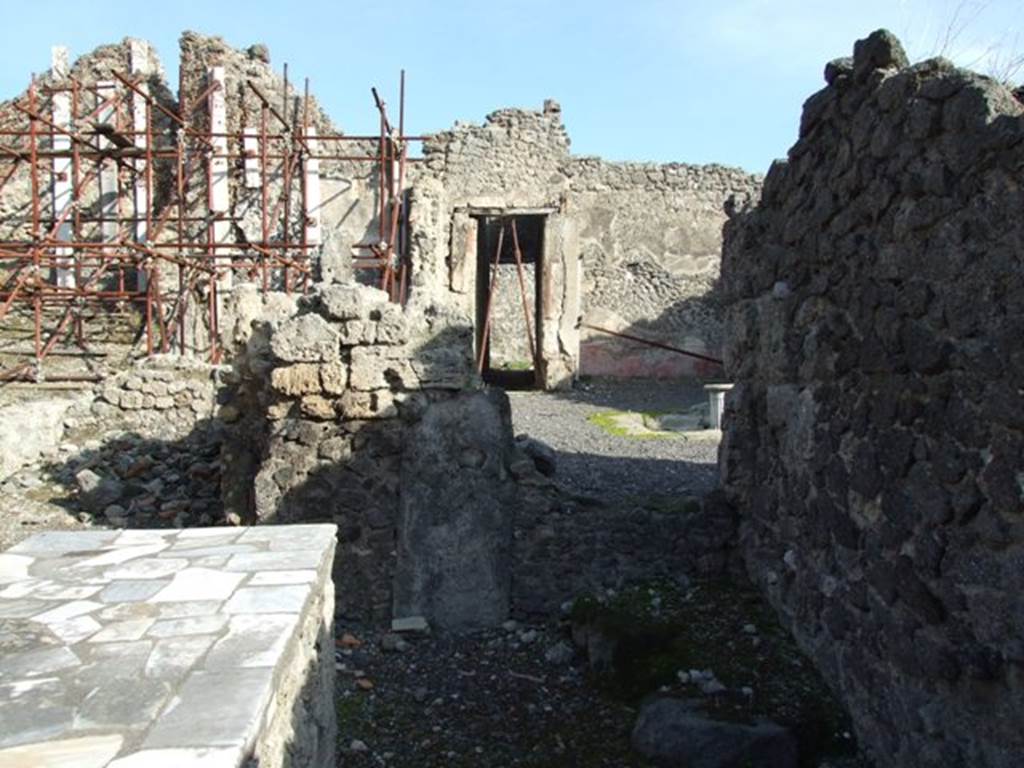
662, 80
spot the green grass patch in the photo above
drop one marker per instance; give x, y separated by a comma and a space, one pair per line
618, 424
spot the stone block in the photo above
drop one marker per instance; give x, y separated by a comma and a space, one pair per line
336, 449
296, 380
30, 432
334, 378
131, 400
455, 528
392, 328
379, 368
355, 332
305, 339
317, 407
352, 302
674, 732
377, 404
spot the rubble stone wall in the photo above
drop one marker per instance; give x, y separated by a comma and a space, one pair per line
163, 397
875, 437
646, 239
341, 403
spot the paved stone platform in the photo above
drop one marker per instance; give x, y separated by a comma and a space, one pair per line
207, 647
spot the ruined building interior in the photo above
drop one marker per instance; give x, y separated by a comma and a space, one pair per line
262, 389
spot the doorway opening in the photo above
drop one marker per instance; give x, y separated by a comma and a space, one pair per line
509, 316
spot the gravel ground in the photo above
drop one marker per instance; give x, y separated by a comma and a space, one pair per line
594, 462
490, 698
525, 695
522, 695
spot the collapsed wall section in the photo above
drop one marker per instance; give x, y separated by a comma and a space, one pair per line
875, 436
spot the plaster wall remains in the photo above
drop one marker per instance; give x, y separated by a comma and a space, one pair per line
629, 246
875, 435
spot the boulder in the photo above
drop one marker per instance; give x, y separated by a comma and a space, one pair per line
674, 732
30, 431
96, 493
305, 339
879, 50
542, 454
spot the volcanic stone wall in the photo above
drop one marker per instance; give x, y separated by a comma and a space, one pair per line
875, 437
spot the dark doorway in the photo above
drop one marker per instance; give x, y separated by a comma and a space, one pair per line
508, 290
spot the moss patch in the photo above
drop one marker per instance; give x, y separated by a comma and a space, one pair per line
658, 631
630, 425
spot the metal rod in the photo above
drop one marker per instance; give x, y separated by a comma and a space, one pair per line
650, 343
522, 292
485, 336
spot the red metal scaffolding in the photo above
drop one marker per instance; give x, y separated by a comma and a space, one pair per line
154, 243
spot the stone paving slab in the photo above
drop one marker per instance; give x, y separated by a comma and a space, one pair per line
142, 649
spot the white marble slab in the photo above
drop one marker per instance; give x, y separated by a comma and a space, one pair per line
145, 649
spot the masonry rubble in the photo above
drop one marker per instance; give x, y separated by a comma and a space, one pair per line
875, 434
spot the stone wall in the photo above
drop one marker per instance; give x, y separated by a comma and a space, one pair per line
651, 240
640, 242
161, 397
875, 436
362, 413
